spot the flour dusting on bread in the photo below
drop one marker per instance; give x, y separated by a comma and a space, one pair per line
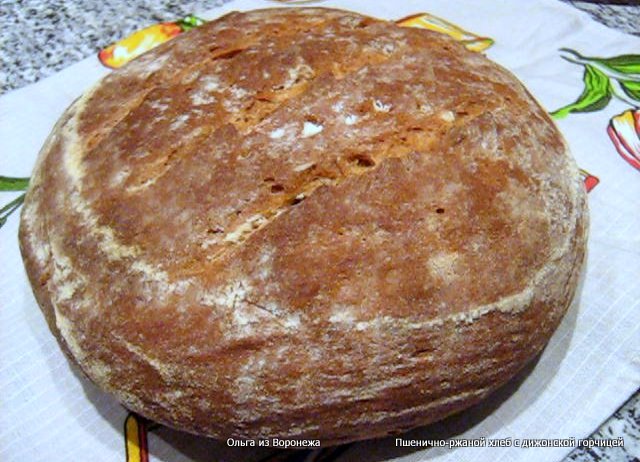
304, 223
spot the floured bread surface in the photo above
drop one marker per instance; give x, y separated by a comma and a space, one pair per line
304, 223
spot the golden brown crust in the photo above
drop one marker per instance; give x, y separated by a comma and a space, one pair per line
304, 223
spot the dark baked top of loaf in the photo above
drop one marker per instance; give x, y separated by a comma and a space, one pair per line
285, 193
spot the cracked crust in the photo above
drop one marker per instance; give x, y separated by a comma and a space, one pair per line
304, 223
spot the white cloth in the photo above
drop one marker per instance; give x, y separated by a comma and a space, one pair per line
48, 411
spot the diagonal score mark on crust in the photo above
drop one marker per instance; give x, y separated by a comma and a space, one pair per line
351, 166
73, 154
75, 147
72, 144
262, 104
152, 68
284, 98
399, 144
259, 221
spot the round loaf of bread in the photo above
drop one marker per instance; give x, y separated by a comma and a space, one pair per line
304, 223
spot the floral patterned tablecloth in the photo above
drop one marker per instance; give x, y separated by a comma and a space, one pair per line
588, 77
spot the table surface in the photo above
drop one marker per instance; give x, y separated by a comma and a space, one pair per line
41, 37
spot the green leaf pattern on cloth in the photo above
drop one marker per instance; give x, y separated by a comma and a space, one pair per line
596, 94
10, 208
604, 78
8, 183
623, 64
632, 89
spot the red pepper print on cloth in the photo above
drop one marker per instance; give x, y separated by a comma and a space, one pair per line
589, 180
606, 78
